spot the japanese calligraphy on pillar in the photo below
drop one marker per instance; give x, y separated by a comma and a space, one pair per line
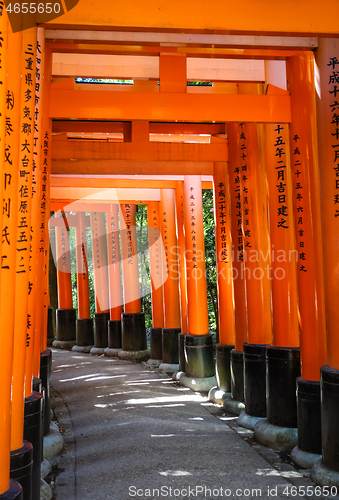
299, 207
129, 234
193, 224
165, 228
96, 244
333, 89
114, 240
43, 199
155, 242
281, 177
246, 230
237, 189
222, 216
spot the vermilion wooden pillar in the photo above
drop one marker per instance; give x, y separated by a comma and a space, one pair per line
101, 288
133, 330
84, 322
172, 317
156, 255
222, 217
114, 273
198, 341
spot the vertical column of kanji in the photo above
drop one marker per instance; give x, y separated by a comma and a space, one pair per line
237, 166
305, 171
179, 211
198, 341
223, 239
10, 71
327, 58
133, 331
172, 317
257, 275
84, 322
99, 252
283, 357
157, 278
114, 272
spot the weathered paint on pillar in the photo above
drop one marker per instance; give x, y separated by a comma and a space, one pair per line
179, 210
129, 253
82, 267
114, 270
305, 171
222, 220
283, 245
22, 320
10, 86
156, 255
195, 257
99, 253
328, 137
235, 135
171, 285
65, 300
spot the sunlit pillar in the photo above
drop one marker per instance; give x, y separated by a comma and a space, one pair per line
114, 273
172, 317
101, 288
156, 254
133, 331
198, 341
84, 322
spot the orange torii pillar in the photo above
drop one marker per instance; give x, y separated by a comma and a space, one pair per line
257, 275
279, 431
133, 331
172, 317
199, 365
156, 256
236, 170
10, 112
305, 171
101, 290
84, 322
326, 472
65, 330
180, 216
114, 273
223, 240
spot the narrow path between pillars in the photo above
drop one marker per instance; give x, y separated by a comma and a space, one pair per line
129, 430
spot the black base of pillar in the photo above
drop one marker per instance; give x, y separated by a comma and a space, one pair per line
309, 416
84, 332
329, 417
199, 356
156, 343
100, 322
255, 379
14, 492
223, 366
37, 384
282, 370
170, 345
133, 332
114, 334
50, 326
65, 325
237, 375
182, 360
22, 467
33, 434
45, 374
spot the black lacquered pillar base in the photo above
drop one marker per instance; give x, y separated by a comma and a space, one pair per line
100, 322
282, 370
65, 328
170, 345
255, 379
33, 434
182, 359
309, 416
156, 343
22, 467
84, 332
14, 492
237, 375
114, 334
223, 367
199, 359
133, 332
45, 375
50, 326
329, 417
